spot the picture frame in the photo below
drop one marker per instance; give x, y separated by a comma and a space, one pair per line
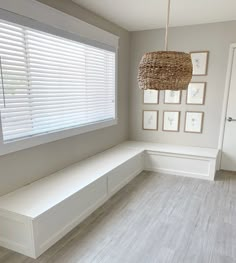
150, 120
200, 61
196, 93
172, 96
150, 96
194, 122
171, 121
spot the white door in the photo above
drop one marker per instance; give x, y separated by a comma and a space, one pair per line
228, 161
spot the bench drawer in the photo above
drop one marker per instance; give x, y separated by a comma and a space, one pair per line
121, 175
177, 164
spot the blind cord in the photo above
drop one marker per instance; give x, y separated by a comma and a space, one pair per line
2, 82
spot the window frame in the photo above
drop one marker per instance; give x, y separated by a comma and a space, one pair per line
24, 143
9, 147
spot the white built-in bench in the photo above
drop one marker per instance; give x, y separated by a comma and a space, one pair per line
36, 216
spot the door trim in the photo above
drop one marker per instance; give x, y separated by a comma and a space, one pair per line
225, 101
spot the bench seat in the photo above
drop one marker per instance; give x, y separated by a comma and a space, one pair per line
173, 149
36, 216
36, 198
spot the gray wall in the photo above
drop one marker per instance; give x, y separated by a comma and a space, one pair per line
23, 167
216, 38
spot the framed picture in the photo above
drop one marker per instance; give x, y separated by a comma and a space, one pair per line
196, 93
200, 62
150, 119
172, 97
194, 122
171, 120
150, 96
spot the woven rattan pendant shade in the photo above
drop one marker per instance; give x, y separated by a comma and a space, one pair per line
165, 70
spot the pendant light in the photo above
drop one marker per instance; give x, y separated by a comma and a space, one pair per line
165, 70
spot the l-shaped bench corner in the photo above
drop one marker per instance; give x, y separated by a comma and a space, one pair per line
36, 216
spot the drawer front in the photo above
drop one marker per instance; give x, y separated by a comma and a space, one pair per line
124, 173
177, 165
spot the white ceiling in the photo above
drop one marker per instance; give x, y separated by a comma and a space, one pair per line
136, 15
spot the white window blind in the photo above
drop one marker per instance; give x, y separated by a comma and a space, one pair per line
49, 83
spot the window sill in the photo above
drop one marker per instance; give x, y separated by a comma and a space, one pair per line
10, 147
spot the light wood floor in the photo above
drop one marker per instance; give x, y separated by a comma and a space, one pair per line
156, 218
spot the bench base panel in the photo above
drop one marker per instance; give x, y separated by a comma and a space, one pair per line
181, 165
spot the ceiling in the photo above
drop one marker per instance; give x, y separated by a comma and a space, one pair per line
135, 15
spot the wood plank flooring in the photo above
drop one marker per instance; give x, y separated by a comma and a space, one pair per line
155, 219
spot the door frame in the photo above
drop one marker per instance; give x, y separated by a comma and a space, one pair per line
225, 101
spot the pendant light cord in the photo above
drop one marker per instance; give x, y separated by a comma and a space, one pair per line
167, 26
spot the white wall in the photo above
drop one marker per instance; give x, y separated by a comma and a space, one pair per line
216, 38
23, 167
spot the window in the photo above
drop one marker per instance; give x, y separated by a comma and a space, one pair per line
50, 83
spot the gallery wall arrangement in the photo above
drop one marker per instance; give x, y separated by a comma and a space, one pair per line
195, 96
